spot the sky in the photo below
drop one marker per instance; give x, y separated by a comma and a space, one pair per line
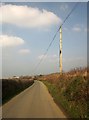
29, 27
44, 0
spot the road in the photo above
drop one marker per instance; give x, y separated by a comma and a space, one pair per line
34, 102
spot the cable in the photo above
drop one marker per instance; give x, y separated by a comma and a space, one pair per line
55, 36
45, 52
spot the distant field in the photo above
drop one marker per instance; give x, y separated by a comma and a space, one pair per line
12, 87
70, 91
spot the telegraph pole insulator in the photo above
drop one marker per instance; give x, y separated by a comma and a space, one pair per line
60, 54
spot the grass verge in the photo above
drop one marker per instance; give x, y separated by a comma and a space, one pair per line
67, 99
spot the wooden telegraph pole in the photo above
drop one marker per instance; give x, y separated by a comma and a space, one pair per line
60, 54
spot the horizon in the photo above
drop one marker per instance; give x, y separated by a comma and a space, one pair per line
64, 72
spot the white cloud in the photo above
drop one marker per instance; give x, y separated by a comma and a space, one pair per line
53, 57
86, 29
24, 51
77, 29
64, 7
65, 28
25, 16
9, 41
42, 56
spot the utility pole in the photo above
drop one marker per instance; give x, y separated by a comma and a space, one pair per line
60, 54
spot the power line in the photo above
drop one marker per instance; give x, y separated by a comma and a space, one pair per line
45, 52
36, 67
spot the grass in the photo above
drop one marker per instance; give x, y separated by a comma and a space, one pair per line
58, 98
70, 91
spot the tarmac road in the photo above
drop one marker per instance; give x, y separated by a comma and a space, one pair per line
34, 102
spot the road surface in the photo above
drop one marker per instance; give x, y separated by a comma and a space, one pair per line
34, 102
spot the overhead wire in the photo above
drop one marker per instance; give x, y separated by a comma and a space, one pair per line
45, 53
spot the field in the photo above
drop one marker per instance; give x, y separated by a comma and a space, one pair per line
12, 87
70, 91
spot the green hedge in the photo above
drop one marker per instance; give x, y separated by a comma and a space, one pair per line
12, 87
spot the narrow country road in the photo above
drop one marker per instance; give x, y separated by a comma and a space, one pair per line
34, 102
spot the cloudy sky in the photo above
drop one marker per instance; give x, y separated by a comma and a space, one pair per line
44, 0
27, 30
